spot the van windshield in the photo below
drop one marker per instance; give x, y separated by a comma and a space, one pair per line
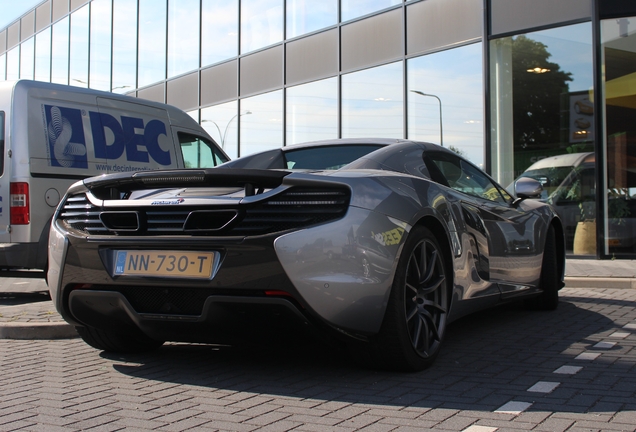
549, 177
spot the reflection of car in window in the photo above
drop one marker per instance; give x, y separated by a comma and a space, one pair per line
551, 171
582, 123
575, 200
584, 106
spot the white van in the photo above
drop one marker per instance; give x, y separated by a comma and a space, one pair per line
53, 135
553, 170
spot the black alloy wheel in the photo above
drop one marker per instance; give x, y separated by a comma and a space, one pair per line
415, 319
426, 298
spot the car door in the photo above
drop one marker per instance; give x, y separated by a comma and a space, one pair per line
515, 254
515, 258
444, 168
508, 233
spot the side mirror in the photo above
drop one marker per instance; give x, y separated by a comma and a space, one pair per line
527, 187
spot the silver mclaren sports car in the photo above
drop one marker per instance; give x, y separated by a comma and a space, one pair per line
377, 243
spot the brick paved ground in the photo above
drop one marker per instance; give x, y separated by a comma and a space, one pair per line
505, 369
31, 308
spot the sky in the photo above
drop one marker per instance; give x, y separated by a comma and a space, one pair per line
12, 9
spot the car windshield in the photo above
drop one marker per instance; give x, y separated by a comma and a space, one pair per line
549, 177
326, 158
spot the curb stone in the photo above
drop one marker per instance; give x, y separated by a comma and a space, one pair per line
36, 330
600, 282
43, 330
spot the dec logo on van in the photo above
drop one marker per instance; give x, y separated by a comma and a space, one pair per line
67, 142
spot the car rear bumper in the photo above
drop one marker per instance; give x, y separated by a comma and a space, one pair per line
223, 319
321, 275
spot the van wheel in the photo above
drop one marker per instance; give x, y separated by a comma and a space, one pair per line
117, 342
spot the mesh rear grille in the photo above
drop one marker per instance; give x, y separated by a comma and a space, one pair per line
293, 209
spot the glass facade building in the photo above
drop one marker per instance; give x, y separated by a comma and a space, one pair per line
506, 83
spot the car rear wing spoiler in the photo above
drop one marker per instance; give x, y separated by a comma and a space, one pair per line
249, 179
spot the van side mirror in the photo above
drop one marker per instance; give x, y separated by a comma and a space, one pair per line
527, 187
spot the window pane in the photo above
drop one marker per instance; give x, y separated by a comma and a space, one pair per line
221, 122
355, 8
27, 58
152, 41
445, 100
312, 111
100, 44
261, 123
43, 55
305, 16
619, 55
261, 23
124, 45
13, 64
541, 107
3, 67
59, 52
79, 48
183, 36
372, 103
219, 33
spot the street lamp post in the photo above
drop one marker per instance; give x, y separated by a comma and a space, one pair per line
441, 133
222, 135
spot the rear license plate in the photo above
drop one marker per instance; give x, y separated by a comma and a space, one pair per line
165, 263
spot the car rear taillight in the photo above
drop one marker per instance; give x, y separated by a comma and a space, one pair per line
19, 204
277, 293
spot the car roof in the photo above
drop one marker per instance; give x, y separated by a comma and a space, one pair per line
267, 158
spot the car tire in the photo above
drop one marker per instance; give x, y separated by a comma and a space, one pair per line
117, 342
415, 320
550, 279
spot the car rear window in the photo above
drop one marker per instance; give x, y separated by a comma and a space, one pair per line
326, 158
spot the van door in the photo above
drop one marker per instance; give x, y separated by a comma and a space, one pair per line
5, 179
